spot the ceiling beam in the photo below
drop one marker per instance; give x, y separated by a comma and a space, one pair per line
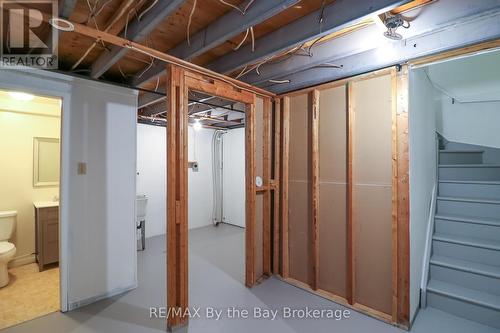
136, 31
66, 8
336, 16
216, 33
477, 29
437, 15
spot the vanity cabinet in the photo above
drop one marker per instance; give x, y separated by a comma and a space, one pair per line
47, 235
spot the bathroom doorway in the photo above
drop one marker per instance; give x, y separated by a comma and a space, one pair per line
30, 134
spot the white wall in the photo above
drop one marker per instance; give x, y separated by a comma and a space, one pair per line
97, 210
151, 165
422, 116
151, 168
474, 123
234, 177
200, 183
18, 127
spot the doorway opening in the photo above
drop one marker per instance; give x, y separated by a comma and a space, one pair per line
216, 182
30, 133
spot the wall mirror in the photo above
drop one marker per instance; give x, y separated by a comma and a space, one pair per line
46, 158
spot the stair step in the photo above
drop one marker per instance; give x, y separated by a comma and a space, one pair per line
467, 219
465, 276
466, 266
464, 294
470, 207
468, 241
470, 188
461, 228
461, 156
469, 172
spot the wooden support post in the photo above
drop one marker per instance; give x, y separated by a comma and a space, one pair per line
314, 100
250, 194
394, 236
350, 279
177, 221
266, 227
403, 206
277, 206
285, 153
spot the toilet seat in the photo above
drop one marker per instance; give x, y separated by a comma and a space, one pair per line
6, 248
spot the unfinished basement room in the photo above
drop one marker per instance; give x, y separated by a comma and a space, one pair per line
220, 166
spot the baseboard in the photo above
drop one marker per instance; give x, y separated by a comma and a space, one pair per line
90, 300
22, 260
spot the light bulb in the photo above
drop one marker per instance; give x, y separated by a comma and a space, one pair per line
197, 125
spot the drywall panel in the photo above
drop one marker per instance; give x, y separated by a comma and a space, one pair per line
151, 175
259, 201
424, 103
234, 177
97, 209
471, 123
372, 193
17, 130
299, 196
333, 190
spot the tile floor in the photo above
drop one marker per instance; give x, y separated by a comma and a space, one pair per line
30, 294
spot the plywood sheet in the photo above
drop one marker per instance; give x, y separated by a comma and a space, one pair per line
372, 197
299, 227
333, 190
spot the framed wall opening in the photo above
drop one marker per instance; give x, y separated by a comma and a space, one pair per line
259, 186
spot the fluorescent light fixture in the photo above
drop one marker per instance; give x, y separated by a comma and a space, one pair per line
197, 125
20, 96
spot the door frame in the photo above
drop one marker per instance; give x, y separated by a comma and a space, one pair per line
179, 82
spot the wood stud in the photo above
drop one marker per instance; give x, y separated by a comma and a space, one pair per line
314, 106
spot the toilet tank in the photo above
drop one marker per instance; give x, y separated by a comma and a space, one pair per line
7, 224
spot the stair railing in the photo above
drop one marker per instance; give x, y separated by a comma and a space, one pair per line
430, 230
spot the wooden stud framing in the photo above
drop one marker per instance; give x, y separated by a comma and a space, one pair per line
285, 157
276, 180
403, 205
394, 213
314, 99
250, 194
179, 82
350, 278
400, 212
266, 227
177, 227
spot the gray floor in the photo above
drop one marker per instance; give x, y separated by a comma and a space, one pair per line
216, 274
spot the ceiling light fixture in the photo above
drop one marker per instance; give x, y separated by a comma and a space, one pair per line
20, 96
392, 23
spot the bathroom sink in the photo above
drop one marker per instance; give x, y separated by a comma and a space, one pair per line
45, 204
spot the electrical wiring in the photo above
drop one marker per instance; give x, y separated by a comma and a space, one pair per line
189, 21
147, 10
243, 40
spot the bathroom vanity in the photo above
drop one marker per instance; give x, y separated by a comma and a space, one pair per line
46, 233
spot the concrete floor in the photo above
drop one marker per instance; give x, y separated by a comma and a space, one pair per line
216, 274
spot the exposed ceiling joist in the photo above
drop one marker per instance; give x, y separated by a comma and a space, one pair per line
223, 29
66, 8
137, 31
148, 99
333, 17
481, 28
440, 14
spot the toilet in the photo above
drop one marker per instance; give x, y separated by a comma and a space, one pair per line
7, 250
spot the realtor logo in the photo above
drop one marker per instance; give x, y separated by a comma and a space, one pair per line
26, 37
